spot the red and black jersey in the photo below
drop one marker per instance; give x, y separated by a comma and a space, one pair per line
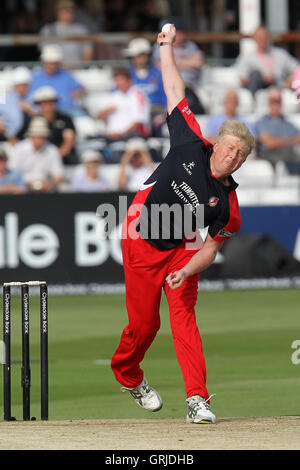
185, 178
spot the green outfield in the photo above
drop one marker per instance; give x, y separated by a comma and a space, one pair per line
247, 338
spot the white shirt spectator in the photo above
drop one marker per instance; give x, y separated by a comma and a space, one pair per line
36, 165
131, 107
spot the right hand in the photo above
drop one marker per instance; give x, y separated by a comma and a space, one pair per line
167, 37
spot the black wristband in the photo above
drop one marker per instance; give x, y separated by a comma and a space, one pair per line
165, 43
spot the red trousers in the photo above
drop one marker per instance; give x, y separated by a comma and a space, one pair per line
146, 269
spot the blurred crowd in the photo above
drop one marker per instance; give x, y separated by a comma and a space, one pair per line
39, 118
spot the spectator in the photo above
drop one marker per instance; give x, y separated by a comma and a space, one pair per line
145, 75
129, 112
16, 111
189, 60
52, 74
266, 66
277, 137
37, 159
136, 165
231, 103
91, 180
62, 129
74, 52
11, 182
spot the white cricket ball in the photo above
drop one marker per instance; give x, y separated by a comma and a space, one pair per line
166, 28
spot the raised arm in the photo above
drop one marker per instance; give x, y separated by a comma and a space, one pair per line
173, 84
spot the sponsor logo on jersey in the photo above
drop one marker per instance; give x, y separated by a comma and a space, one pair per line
213, 201
188, 167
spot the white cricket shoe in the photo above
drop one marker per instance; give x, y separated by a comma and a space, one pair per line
199, 411
145, 396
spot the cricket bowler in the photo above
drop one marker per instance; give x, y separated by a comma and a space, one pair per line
195, 174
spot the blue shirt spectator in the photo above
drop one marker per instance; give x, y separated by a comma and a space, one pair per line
64, 83
230, 104
151, 85
11, 181
277, 137
144, 74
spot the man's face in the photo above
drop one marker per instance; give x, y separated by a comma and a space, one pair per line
140, 60
51, 67
231, 103
230, 153
48, 107
275, 103
262, 39
38, 142
123, 83
65, 15
22, 89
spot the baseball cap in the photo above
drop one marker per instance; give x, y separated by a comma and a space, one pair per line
38, 127
45, 93
51, 53
138, 46
21, 75
91, 155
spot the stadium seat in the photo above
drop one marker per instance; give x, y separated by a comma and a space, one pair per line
224, 77
87, 127
267, 196
288, 174
94, 102
95, 79
255, 173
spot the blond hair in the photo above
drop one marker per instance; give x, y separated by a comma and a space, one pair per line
240, 130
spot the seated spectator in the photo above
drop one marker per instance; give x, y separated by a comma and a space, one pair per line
266, 66
128, 114
68, 89
277, 137
62, 129
145, 75
74, 52
16, 111
38, 161
189, 60
231, 103
136, 165
91, 180
11, 182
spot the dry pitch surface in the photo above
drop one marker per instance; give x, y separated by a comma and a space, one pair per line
152, 434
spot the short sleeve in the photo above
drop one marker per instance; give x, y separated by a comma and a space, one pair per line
228, 223
183, 126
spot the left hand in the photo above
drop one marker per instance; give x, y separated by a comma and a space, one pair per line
175, 280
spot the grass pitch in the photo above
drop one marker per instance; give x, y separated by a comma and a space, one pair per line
247, 340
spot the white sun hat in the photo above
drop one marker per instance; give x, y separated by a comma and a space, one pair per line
138, 46
45, 93
52, 53
21, 75
38, 127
